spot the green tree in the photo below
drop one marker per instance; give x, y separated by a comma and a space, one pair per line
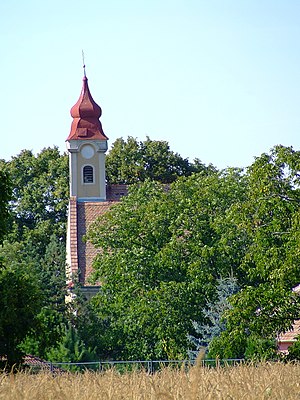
53, 315
132, 161
19, 305
214, 323
161, 256
269, 218
90, 328
40, 194
5, 196
71, 348
19, 291
37, 236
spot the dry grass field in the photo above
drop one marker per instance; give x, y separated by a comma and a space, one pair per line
266, 381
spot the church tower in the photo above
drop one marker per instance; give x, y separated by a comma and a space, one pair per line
89, 195
87, 145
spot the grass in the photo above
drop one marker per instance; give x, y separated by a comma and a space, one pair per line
264, 381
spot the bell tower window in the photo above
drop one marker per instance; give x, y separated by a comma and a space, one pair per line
88, 174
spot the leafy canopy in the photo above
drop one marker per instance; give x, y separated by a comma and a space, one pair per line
269, 218
161, 254
132, 161
5, 196
37, 217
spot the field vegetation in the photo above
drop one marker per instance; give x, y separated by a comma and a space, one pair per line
264, 381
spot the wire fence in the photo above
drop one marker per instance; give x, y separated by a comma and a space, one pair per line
149, 366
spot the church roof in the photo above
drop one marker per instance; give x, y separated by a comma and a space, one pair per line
86, 113
81, 216
87, 213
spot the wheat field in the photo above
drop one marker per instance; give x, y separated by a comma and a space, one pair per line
264, 381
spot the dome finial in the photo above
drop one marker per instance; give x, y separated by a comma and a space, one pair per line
83, 63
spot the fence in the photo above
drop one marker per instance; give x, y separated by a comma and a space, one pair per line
149, 366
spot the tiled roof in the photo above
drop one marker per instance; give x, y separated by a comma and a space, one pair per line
87, 212
81, 216
286, 339
38, 364
116, 192
73, 236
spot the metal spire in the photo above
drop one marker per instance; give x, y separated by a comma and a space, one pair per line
83, 63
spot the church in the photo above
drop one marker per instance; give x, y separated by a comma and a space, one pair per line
90, 196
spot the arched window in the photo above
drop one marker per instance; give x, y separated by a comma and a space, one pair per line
88, 174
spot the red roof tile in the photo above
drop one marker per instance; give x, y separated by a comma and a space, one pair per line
87, 213
288, 338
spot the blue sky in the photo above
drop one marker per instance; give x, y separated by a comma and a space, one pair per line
218, 79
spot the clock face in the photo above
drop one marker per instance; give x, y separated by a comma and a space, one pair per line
87, 151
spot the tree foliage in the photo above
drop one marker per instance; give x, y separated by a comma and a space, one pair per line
71, 348
161, 254
214, 323
164, 249
132, 161
40, 194
37, 212
5, 196
269, 218
19, 305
